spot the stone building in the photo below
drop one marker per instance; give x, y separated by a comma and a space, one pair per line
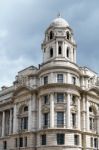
54, 106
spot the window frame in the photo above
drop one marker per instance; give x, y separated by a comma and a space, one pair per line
5, 145
43, 139
60, 78
60, 138
60, 97
76, 139
60, 119
45, 80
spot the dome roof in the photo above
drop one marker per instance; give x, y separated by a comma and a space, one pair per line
59, 22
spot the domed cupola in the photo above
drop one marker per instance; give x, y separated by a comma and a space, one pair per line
59, 42
59, 22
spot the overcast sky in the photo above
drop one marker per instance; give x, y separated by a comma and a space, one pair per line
22, 26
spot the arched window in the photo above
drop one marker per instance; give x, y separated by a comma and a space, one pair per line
51, 35
68, 35
59, 50
92, 118
51, 52
68, 52
23, 118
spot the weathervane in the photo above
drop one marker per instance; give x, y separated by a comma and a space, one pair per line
59, 15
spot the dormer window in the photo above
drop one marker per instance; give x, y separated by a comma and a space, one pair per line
51, 52
51, 35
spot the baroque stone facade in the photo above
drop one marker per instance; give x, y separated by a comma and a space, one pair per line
54, 106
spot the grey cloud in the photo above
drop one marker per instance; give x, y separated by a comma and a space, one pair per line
22, 26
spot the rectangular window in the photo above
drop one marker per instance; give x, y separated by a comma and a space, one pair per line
91, 123
60, 78
5, 144
46, 99
60, 97
60, 119
73, 120
91, 142
20, 142
46, 120
60, 139
24, 123
25, 141
43, 139
74, 80
95, 142
76, 139
45, 80
16, 142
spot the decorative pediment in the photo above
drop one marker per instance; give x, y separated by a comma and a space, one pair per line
94, 90
21, 91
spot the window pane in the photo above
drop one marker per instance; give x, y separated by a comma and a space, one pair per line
73, 119
46, 80
5, 144
21, 142
46, 119
16, 142
60, 78
46, 99
60, 139
25, 141
74, 80
60, 97
60, 119
26, 123
43, 138
76, 139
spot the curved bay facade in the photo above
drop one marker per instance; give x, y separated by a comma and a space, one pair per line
54, 106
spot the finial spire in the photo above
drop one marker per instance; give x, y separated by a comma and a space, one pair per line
59, 15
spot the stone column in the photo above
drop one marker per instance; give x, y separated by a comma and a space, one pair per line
39, 114
97, 123
15, 120
79, 113
87, 116
52, 78
3, 123
68, 78
68, 110
52, 110
83, 113
10, 131
29, 115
